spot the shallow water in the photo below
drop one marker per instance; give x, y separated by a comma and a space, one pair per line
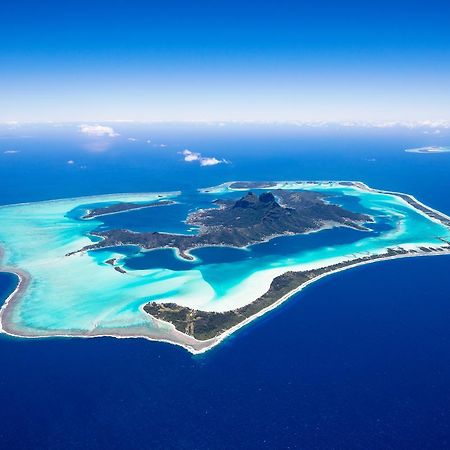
81, 293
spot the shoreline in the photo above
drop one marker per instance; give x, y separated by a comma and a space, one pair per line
173, 336
176, 337
22, 285
186, 255
86, 197
153, 205
357, 184
211, 343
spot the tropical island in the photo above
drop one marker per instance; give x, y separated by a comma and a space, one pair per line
240, 222
248, 248
207, 325
429, 149
121, 207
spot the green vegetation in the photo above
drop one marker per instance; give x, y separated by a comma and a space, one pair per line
205, 325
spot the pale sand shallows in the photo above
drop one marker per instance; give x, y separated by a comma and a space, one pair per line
153, 329
166, 332
203, 346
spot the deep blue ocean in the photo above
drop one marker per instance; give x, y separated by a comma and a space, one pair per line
359, 360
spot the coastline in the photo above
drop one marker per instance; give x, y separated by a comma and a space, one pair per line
106, 196
153, 205
22, 285
174, 336
186, 255
167, 331
203, 346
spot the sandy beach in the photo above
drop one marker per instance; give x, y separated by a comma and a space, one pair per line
169, 334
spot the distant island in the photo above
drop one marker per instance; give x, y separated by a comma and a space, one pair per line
430, 149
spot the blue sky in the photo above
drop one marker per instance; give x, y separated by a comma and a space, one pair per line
215, 60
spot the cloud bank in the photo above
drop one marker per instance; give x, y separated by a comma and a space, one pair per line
202, 160
98, 130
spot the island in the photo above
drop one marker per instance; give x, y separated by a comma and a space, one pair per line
207, 325
242, 222
429, 149
121, 207
228, 255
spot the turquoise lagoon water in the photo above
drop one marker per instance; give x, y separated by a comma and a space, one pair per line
81, 293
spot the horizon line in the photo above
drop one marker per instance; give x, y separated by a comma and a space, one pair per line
427, 123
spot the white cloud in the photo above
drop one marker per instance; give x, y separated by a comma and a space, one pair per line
210, 161
148, 141
131, 139
418, 124
98, 130
202, 160
190, 156
70, 162
11, 152
426, 124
